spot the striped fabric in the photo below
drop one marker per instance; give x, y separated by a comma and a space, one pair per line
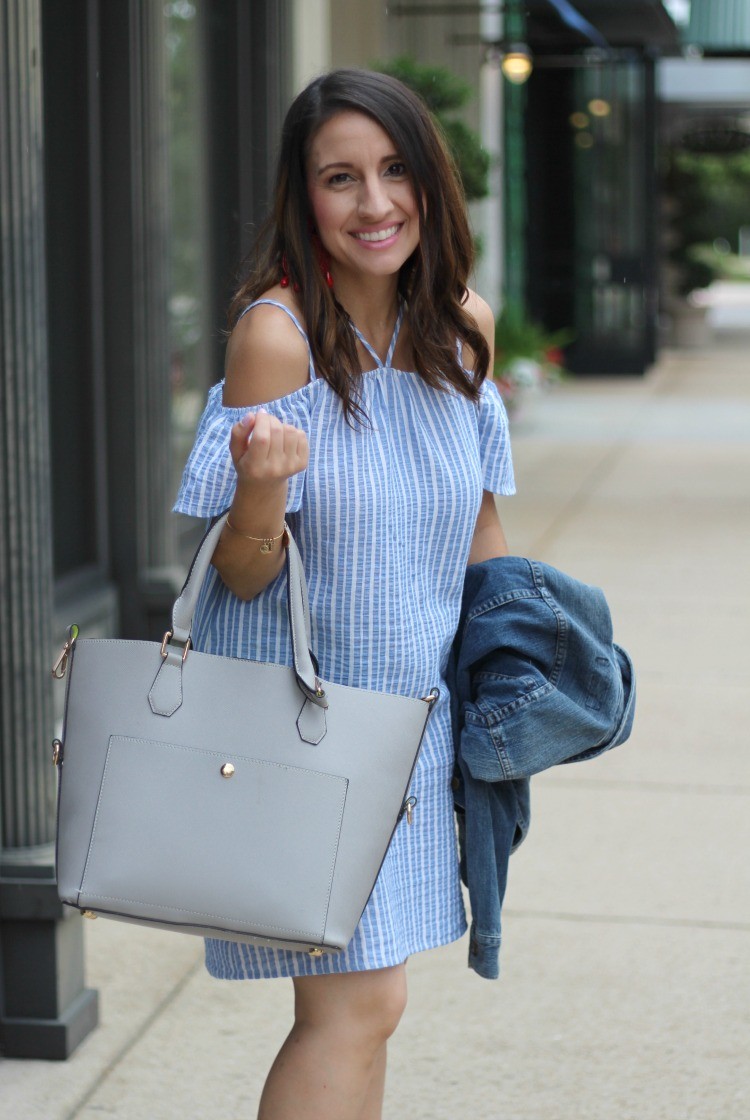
383, 516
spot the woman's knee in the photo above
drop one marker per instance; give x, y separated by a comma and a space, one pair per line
366, 1005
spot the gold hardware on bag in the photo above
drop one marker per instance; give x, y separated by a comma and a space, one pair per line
315, 952
165, 640
56, 751
410, 805
90, 914
227, 770
60, 666
431, 696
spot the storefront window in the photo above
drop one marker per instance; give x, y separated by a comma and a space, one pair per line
188, 302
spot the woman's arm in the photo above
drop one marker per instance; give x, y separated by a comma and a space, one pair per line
489, 539
266, 359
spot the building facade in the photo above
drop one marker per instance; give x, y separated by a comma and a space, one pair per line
108, 310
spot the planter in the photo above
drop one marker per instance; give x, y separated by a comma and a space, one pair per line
691, 327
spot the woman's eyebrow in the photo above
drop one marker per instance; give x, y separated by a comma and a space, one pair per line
342, 163
328, 166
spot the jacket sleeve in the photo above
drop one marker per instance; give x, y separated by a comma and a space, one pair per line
494, 441
209, 478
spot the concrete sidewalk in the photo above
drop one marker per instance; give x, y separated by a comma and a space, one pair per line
625, 989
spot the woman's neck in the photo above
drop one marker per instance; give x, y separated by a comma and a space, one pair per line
371, 305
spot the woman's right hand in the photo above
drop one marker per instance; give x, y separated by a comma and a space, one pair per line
264, 450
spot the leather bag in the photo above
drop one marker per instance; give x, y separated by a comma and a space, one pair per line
225, 797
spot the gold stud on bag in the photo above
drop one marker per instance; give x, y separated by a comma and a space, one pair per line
286, 857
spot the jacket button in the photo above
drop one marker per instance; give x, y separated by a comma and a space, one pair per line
455, 783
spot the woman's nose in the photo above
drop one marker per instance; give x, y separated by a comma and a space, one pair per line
374, 202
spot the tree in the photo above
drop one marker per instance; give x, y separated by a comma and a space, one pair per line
445, 93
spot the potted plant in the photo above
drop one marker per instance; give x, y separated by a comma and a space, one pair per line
690, 268
528, 359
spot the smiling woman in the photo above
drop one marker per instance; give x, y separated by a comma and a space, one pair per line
355, 408
431, 281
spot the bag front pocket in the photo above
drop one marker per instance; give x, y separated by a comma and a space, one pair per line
197, 837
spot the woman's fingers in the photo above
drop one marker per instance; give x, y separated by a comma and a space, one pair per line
240, 434
263, 448
296, 446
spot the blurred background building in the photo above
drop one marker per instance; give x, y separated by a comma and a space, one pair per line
137, 141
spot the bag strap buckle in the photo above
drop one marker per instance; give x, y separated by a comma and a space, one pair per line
165, 643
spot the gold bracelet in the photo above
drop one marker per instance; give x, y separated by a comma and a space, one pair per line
266, 543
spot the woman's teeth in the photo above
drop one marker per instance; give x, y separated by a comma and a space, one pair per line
381, 235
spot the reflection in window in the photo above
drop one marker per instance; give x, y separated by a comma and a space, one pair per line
188, 258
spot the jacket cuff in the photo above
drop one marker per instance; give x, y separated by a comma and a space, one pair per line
484, 953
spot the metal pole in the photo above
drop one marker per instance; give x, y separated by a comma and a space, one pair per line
515, 173
490, 264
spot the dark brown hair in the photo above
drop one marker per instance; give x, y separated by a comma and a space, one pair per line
432, 281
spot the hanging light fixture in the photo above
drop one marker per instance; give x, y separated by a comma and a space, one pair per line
517, 63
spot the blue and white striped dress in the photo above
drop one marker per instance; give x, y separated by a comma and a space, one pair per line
384, 516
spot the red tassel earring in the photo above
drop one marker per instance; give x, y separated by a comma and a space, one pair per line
324, 259
284, 282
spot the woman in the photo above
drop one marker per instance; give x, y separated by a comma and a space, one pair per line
354, 404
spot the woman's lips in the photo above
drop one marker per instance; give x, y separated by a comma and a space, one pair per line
378, 238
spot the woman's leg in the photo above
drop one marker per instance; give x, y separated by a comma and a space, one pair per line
372, 1108
332, 1064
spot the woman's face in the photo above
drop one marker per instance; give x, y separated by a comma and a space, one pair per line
362, 200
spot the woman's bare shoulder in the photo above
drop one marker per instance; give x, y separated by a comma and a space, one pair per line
482, 314
266, 355
480, 310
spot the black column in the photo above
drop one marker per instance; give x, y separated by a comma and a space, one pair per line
135, 266
46, 1010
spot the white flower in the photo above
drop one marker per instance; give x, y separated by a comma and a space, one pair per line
525, 372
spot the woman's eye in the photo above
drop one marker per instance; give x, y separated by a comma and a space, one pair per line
398, 170
339, 177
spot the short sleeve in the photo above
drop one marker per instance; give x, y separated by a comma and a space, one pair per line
209, 478
494, 441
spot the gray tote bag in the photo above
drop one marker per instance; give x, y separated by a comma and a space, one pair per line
225, 797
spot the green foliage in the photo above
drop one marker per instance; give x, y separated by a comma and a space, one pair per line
518, 336
471, 159
526, 355
710, 197
443, 90
445, 93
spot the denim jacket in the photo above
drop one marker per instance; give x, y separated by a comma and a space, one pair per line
535, 680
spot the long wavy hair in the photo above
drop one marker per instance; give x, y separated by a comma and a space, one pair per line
432, 282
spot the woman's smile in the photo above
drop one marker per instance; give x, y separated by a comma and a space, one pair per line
377, 238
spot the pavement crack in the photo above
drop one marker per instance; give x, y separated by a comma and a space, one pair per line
137, 1035
637, 786
627, 920
577, 500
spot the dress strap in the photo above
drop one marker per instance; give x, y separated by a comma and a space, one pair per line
392, 346
394, 339
295, 320
367, 346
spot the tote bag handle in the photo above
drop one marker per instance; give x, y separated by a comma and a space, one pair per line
297, 604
